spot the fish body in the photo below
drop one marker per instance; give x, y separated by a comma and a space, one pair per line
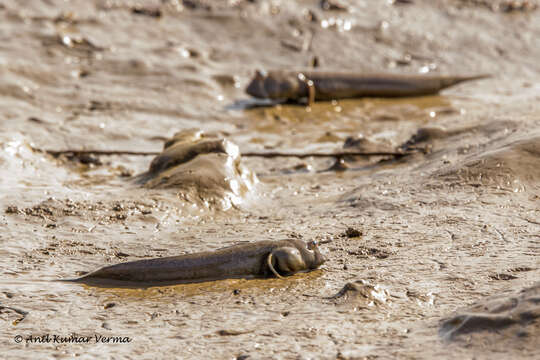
238, 261
317, 85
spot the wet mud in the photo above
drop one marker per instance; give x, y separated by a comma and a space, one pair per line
426, 254
503, 318
511, 163
361, 294
204, 169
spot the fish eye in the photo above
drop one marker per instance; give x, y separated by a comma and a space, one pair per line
261, 73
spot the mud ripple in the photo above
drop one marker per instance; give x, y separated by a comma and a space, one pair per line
497, 314
513, 165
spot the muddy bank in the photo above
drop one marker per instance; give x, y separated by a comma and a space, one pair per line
205, 170
498, 321
408, 241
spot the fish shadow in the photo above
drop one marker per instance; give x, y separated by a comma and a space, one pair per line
126, 284
252, 103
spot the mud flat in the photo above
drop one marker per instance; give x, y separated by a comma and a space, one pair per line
409, 242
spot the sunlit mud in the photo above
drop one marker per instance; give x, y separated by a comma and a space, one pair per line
409, 241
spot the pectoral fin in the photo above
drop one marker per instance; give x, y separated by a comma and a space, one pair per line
271, 266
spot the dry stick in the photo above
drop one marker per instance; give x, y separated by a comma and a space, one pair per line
271, 154
332, 154
97, 152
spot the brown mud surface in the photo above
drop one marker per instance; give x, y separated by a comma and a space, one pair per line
410, 243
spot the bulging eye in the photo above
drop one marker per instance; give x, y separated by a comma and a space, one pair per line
312, 245
260, 74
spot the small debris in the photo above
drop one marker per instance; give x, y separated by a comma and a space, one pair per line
96, 105
124, 172
147, 11
78, 42
502, 276
36, 120
109, 305
332, 5
512, 5
121, 216
315, 62
521, 268
291, 46
339, 165
309, 15
154, 315
118, 207
85, 159
80, 73
401, 2
41, 211
12, 209
196, 4
352, 233
364, 252
225, 332
295, 235
428, 298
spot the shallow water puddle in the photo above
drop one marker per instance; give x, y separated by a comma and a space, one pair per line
332, 122
226, 286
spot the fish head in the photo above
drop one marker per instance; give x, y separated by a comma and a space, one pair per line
316, 258
274, 85
296, 256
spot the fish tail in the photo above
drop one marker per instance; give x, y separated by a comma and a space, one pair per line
453, 80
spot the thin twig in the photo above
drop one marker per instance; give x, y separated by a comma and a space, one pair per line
98, 152
273, 154
270, 154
